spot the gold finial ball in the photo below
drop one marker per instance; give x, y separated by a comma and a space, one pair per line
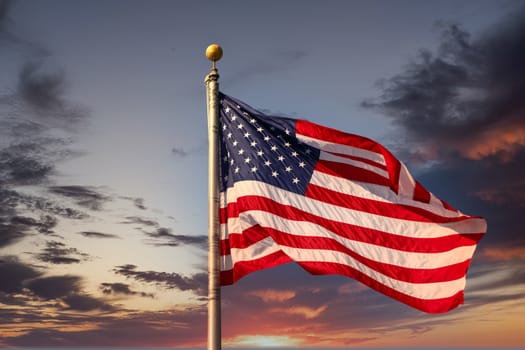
214, 52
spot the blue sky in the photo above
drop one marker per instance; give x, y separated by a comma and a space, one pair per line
103, 156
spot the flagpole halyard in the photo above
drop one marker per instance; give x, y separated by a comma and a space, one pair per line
213, 53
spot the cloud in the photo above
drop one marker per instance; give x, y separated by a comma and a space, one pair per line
196, 283
5, 6
140, 221
305, 311
54, 287
164, 237
14, 273
179, 151
58, 253
67, 290
84, 196
138, 202
272, 295
93, 234
467, 99
503, 253
126, 329
122, 288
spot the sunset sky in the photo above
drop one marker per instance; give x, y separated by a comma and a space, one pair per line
103, 162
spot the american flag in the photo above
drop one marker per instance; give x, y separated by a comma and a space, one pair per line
335, 203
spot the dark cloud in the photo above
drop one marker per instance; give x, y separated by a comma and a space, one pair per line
137, 202
14, 273
462, 112
179, 151
58, 253
5, 6
80, 302
93, 234
54, 287
122, 288
196, 283
140, 221
42, 91
84, 196
467, 99
128, 329
164, 237
24, 163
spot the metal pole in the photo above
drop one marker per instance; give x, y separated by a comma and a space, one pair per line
214, 53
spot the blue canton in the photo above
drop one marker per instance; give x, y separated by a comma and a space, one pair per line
254, 146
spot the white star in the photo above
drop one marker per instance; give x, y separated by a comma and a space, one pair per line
267, 163
287, 144
287, 131
274, 148
275, 174
240, 126
302, 164
295, 180
254, 169
232, 161
246, 135
237, 169
227, 109
253, 121
267, 138
260, 129
226, 178
253, 144
260, 153
247, 160
230, 135
234, 117
241, 151
288, 169
295, 154
308, 151
281, 158
235, 143
224, 127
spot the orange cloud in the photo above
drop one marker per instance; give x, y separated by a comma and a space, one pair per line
504, 253
272, 295
305, 311
503, 141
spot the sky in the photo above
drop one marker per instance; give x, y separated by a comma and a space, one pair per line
103, 162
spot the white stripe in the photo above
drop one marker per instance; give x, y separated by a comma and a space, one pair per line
426, 291
255, 251
333, 158
377, 193
371, 251
342, 149
407, 228
407, 184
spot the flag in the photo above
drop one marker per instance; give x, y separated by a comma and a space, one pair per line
335, 203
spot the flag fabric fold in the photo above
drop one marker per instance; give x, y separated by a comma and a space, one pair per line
335, 203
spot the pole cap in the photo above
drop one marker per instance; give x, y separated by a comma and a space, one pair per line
214, 52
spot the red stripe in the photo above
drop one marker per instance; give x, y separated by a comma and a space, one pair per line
393, 165
421, 194
432, 306
351, 172
412, 275
243, 268
392, 210
354, 232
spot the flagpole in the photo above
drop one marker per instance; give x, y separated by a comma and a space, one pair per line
213, 53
